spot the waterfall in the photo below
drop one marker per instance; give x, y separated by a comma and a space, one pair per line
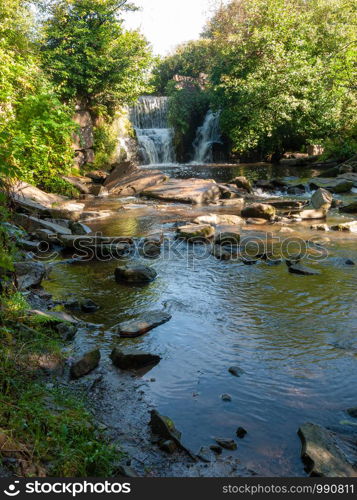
207, 135
150, 120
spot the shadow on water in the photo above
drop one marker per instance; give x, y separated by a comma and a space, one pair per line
294, 337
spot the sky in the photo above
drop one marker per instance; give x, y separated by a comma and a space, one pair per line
166, 23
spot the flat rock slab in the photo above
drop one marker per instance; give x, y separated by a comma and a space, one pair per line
133, 360
303, 270
321, 453
27, 192
333, 185
351, 176
195, 191
217, 219
136, 274
132, 181
31, 224
138, 327
313, 214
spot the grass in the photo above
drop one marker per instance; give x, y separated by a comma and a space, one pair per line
46, 427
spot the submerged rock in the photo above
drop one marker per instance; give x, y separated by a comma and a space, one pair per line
351, 208
136, 274
352, 412
137, 327
321, 454
79, 228
236, 371
133, 360
196, 232
216, 449
241, 432
86, 364
227, 238
227, 444
259, 211
222, 253
303, 270
348, 227
89, 306
320, 227
227, 398
205, 454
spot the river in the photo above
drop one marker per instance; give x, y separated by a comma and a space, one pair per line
294, 337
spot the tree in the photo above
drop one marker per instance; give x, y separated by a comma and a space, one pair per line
89, 55
285, 71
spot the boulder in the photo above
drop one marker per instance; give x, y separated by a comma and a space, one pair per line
29, 274
133, 360
243, 183
128, 180
348, 227
259, 211
351, 208
322, 199
303, 270
168, 446
137, 327
135, 274
195, 232
226, 443
217, 219
98, 176
86, 364
321, 453
195, 191
89, 306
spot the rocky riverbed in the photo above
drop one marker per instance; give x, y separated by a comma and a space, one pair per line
245, 333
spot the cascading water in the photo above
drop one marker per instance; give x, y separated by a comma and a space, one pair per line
207, 135
150, 120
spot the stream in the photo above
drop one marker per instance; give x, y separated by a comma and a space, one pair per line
294, 336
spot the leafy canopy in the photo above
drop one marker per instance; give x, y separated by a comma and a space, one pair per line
90, 57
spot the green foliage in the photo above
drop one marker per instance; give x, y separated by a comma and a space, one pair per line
6, 246
35, 127
187, 108
284, 71
51, 426
89, 55
190, 59
106, 143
